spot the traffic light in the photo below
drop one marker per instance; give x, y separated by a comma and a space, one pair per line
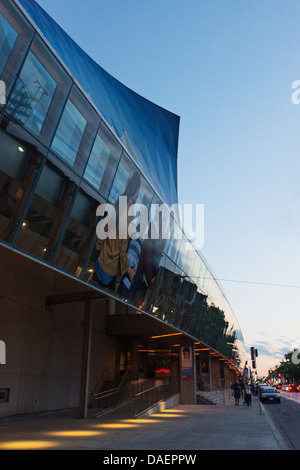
253, 355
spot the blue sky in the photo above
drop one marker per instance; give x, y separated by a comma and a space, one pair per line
226, 67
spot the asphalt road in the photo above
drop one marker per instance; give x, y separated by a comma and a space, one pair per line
286, 417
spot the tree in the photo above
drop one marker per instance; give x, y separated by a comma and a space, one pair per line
289, 369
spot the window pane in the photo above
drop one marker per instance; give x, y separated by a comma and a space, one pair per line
32, 95
8, 38
76, 131
103, 161
69, 133
125, 170
19, 164
80, 233
15, 37
97, 162
47, 213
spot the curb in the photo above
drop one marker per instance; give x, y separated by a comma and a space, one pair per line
278, 436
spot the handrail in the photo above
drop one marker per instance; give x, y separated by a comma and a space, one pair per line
115, 395
125, 376
104, 393
148, 398
146, 391
99, 380
212, 392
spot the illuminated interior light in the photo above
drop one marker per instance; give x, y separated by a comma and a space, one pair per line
163, 336
21, 149
24, 224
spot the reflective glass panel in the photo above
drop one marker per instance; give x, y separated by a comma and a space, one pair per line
8, 38
79, 235
97, 162
19, 164
69, 133
47, 213
103, 160
125, 170
32, 95
15, 36
76, 131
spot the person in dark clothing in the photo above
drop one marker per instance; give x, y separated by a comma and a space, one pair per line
237, 393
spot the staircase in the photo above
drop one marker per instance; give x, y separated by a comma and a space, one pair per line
210, 396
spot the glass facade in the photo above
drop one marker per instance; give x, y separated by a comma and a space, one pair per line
60, 164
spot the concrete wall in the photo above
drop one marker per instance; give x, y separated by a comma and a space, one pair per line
44, 346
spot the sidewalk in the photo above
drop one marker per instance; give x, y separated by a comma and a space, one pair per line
184, 427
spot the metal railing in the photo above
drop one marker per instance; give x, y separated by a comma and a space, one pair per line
212, 394
109, 399
146, 399
99, 385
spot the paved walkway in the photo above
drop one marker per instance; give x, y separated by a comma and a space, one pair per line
184, 427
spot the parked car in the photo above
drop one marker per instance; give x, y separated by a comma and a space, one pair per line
269, 394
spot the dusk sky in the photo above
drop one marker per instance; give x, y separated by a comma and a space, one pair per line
226, 67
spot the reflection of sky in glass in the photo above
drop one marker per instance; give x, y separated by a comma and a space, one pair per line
119, 183
69, 133
97, 163
32, 95
8, 37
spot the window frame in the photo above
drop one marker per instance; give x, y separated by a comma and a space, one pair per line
92, 119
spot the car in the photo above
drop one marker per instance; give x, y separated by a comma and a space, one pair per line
285, 387
278, 386
293, 388
261, 387
269, 394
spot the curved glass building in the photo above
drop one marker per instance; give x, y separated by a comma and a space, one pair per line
76, 308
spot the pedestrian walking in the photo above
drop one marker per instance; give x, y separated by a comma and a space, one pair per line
237, 393
248, 394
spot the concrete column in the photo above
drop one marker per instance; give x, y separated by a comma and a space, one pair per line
215, 372
85, 367
111, 307
188, 379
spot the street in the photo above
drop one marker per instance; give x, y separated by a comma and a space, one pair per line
286, 416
